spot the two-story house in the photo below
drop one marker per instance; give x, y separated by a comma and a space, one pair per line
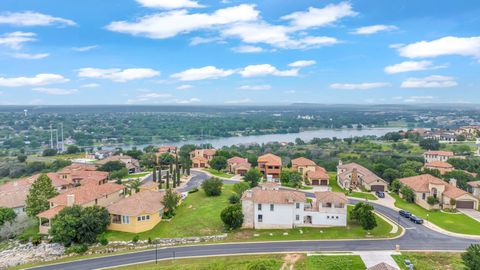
270, 166
442, 156
238, 165
201, 157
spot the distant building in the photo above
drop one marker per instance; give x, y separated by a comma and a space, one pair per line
353, 176
201, 157
238, 165
167, 149
442, 167
268, 207
132, 165
270, 166
442, 156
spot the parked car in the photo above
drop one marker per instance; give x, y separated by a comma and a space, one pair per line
404, 213
380, 194
416, 219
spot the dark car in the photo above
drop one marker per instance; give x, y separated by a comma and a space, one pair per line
380, 194
404, 213
416, 219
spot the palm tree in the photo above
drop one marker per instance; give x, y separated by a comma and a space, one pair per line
134, 185
154, 179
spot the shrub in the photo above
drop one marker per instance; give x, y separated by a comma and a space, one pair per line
263, 265
471, 258
239, 188
395, 186
212, 186
36, 240
232, 216
135, 238
234, 199
79, 249
432, 200
6, 214
408, 194
363, 214
103, 240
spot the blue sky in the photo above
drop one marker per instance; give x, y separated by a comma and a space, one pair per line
239, 52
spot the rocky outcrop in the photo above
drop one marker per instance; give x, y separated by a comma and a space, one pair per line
27, 253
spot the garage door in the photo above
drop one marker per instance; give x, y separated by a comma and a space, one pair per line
324, 183
315, 182
465, 204
378, 188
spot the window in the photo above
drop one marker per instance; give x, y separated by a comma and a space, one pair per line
260, 218
272, 207
423, 196
125, 219
96, 201
328, 217
297, 217
139, 218
147, 217
259, 207
297, 205
116, 219
329, 205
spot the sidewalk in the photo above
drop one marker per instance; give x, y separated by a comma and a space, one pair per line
237, 178
372, 258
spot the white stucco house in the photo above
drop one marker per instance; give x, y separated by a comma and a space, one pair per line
269, 207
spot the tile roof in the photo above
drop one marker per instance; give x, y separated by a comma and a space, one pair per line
319, 173
474, 184
332, 197
439, 164
382, 266
439, 153
143, 202
52, 212
14, 193
199, 159
270, 159
166, 148
87, 193
272, 196
419, 183
237, 160
301, 161
122, 158
367, 175
80, 167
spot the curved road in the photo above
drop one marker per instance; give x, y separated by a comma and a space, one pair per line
416, 237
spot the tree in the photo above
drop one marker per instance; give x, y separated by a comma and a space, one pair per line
77, 225
135, 153
240, 187
429, 144
363, 214
166, 159
212, 186
154, 174
40, 191
73, 149
111, 166
232, 216
134, 185
21, 158
218, 163
148, 160
253, 177
390, 174
119, 175
462, 178
395, 186
49, 152
6, 214
407, 194
170, 200
291, 178
471, 258
392, 136
234, 198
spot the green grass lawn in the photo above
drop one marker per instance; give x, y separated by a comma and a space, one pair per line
454, 222
357, 194
430, 261
302, 187
136, 175
335, 262
218, 173
269, 262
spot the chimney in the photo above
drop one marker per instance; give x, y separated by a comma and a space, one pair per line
340, 163
70, 199
453, 182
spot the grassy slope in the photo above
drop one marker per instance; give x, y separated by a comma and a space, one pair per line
430, 261
454, 222
339, 262
335, 187
218, 173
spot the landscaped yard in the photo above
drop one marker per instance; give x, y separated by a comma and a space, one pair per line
136, 175
219, 173
335, 262
430, 261
335, 187
454, 222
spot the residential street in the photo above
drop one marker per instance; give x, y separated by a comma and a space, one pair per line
416, 237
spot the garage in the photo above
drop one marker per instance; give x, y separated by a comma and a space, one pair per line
315, 182
465, 204
324, 183
377, 188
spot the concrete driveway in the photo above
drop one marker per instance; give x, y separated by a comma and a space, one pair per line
471, 213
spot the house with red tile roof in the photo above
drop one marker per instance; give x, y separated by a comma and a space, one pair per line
87, 195
303, 165
201, 157
132, 165
442, 167
238, 165
270, 166
318, 177
353, 176
448, 195
442, 156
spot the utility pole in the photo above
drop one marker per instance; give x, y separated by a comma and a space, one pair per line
51, 137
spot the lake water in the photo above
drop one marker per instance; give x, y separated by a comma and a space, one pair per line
290, 137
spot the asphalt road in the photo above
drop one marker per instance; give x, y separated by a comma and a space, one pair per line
416, 237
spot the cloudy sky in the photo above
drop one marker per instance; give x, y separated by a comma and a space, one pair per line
239, 52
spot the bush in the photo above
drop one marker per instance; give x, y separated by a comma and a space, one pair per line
395, 186
471, 258
408, 194
49, 152
36, 240
6, 214
79, 249
218, 163
263, 265
363, 214
432, 200
212, 186
103, 240
135, 238
252, 177
234, 199
239, 188
232, 216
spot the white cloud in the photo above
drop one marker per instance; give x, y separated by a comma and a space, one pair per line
55, 91
15, 40
150, 97
29, 56
407, 66
372, 29
208, 72
85, 48
30, 18
255, 87
434, 81
184, 87
240, 101
417, 99
247, 49
203, 40
359, 86
169, 24
37, 80
302, 63
266, 69
468, 46
316, 17
118, 75
90, 85
169, 4
187, 101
